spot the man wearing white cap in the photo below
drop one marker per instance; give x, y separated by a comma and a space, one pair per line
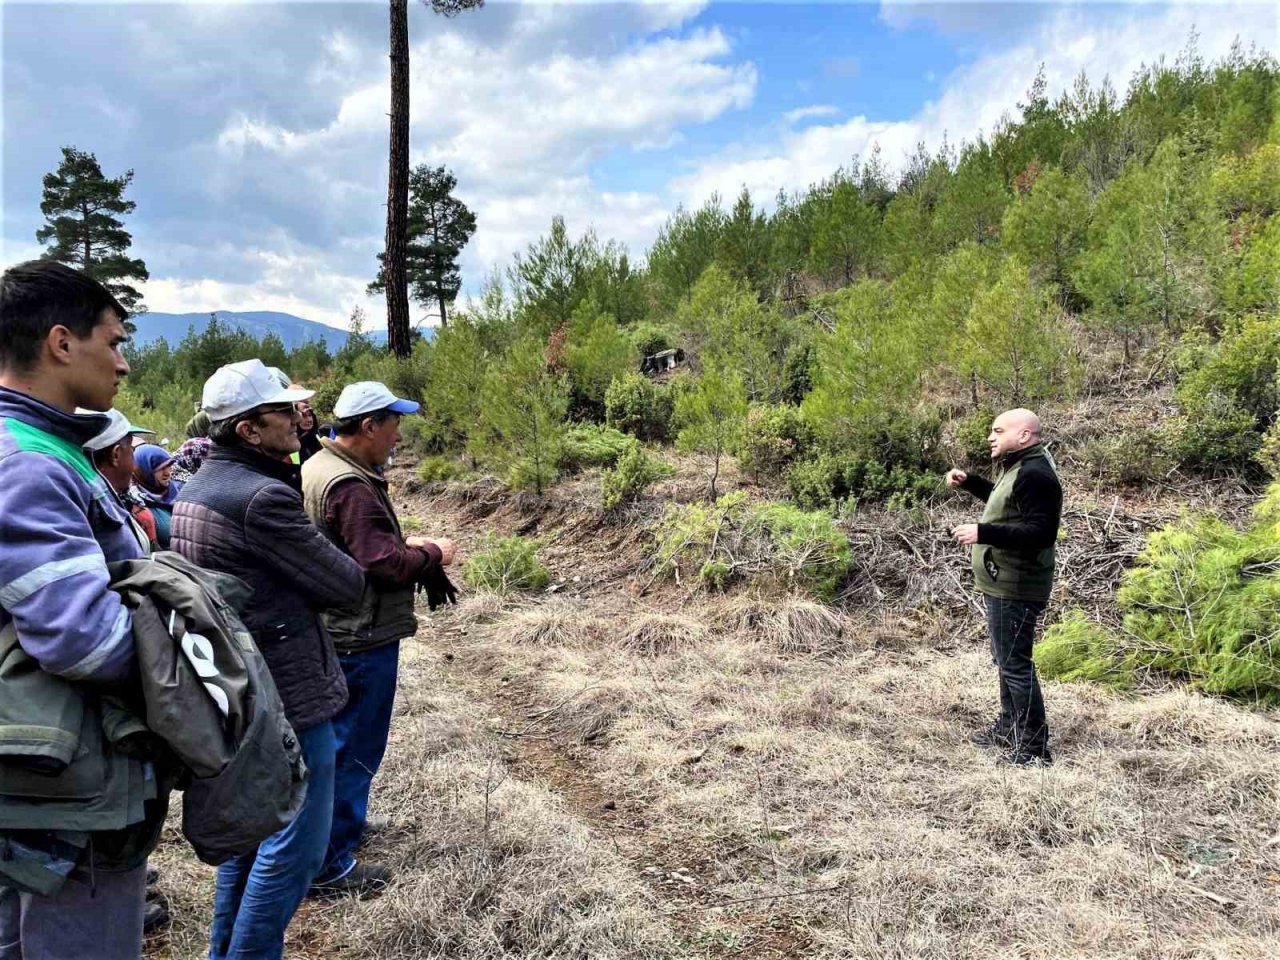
242, 514
346, 496
112, 454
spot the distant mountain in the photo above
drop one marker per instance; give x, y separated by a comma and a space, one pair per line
294, 331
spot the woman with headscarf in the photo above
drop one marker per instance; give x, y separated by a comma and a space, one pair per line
153, 465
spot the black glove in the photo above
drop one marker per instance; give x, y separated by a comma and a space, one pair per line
438, 588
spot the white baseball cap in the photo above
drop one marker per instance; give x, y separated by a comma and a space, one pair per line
115, 431
240, 387
369, 396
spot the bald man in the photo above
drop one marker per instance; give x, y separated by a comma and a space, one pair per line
1013, 560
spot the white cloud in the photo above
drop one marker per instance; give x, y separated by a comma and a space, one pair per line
808, 113
521, 125
1110, 42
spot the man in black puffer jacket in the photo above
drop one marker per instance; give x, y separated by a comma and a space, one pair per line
242, 514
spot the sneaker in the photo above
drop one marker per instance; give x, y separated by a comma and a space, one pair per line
156, 916
1028, 758
992, 736
362, 880
153, 876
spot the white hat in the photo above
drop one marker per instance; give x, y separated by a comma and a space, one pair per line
116, 430
369, 396
284, 378
240, 387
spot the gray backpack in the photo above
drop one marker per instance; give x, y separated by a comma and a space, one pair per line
208, 694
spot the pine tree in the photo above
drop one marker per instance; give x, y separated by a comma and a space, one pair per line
440, 225
711, 417
522, 412
82, 208
395, 259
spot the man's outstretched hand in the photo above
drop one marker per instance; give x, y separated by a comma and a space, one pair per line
955, 477
448, 549
966, 534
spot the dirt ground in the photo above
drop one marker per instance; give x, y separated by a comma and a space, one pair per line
619, 767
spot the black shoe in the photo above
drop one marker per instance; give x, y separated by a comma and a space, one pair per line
153, 876
362, 880
992, 736
1028, 758
156, 917
374, 827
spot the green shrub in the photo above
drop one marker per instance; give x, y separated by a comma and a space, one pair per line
831, 479
1201, 604
591, 445
970, 437
325, 397
1076, 648
504, 564
435, 469
733, 538
808, 549
1228, 393
1130, 457
774, 437
649, 338
1216, 432
636, 405
634, 474
420, 435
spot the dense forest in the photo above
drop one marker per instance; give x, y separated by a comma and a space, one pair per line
845, 343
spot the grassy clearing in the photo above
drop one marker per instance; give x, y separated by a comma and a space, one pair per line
768, 770
488, 865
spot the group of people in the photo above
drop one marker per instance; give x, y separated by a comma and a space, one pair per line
305, 521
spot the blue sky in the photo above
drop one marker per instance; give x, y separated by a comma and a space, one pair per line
257, 131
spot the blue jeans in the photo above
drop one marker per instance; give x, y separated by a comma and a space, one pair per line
258, 893
361, 731
1012, 624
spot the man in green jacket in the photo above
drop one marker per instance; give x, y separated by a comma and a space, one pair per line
1013, 563
346, 495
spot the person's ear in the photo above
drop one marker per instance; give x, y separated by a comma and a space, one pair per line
58, 342
117, 454
247, 431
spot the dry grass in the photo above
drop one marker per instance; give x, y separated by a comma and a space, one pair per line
487, 865
555, 623
650, 634
787, 625
765, 747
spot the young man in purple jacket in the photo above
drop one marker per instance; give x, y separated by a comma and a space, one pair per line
60, 339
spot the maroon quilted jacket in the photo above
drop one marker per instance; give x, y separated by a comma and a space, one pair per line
242, 514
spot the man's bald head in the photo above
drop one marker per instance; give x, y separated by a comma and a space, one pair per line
1012, 431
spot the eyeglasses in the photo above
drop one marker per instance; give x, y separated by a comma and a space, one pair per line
278, 408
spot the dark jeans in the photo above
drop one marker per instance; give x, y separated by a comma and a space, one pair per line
257, 894
1012, 624
361, 730
95, 915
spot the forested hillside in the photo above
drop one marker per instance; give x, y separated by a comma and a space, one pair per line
1109, 252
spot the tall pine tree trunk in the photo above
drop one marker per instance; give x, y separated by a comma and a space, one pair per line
398, 184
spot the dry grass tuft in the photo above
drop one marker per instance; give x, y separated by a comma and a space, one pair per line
790, 625
480, 607
556, 623
1180, 718
651, 634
